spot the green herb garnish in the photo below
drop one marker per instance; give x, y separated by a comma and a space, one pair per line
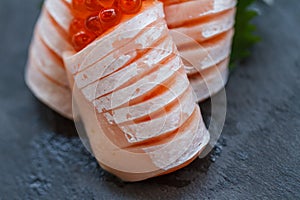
244, 37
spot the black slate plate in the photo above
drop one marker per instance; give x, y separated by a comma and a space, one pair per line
257, 157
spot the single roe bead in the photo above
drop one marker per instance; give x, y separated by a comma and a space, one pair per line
78, 5
93, 24
81, 40
109, 17
130, 6
93, 5
76, 26
107, 3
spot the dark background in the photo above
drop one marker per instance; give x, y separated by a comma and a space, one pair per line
257, 157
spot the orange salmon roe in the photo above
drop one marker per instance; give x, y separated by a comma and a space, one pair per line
82, 39
93, 17
130, 6
109, 17
93, 24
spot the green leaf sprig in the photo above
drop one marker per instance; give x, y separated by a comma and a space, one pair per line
244, 37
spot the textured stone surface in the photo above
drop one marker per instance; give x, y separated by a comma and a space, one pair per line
257, 157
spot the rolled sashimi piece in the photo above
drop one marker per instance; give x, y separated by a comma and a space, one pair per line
49, 42
208, 28
134, 98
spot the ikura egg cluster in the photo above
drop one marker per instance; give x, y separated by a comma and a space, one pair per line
93, 17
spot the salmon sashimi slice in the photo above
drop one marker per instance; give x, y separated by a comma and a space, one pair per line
160, 128
167, 120
143, 146
198, 144
213, 26
211, 53
132, 73
55, 96
45, 54
206, 29
139, 89
51, 35
61, 12
113, 62
181, 13
209, 81
47, 62
191, 139
189, 134
153, 102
